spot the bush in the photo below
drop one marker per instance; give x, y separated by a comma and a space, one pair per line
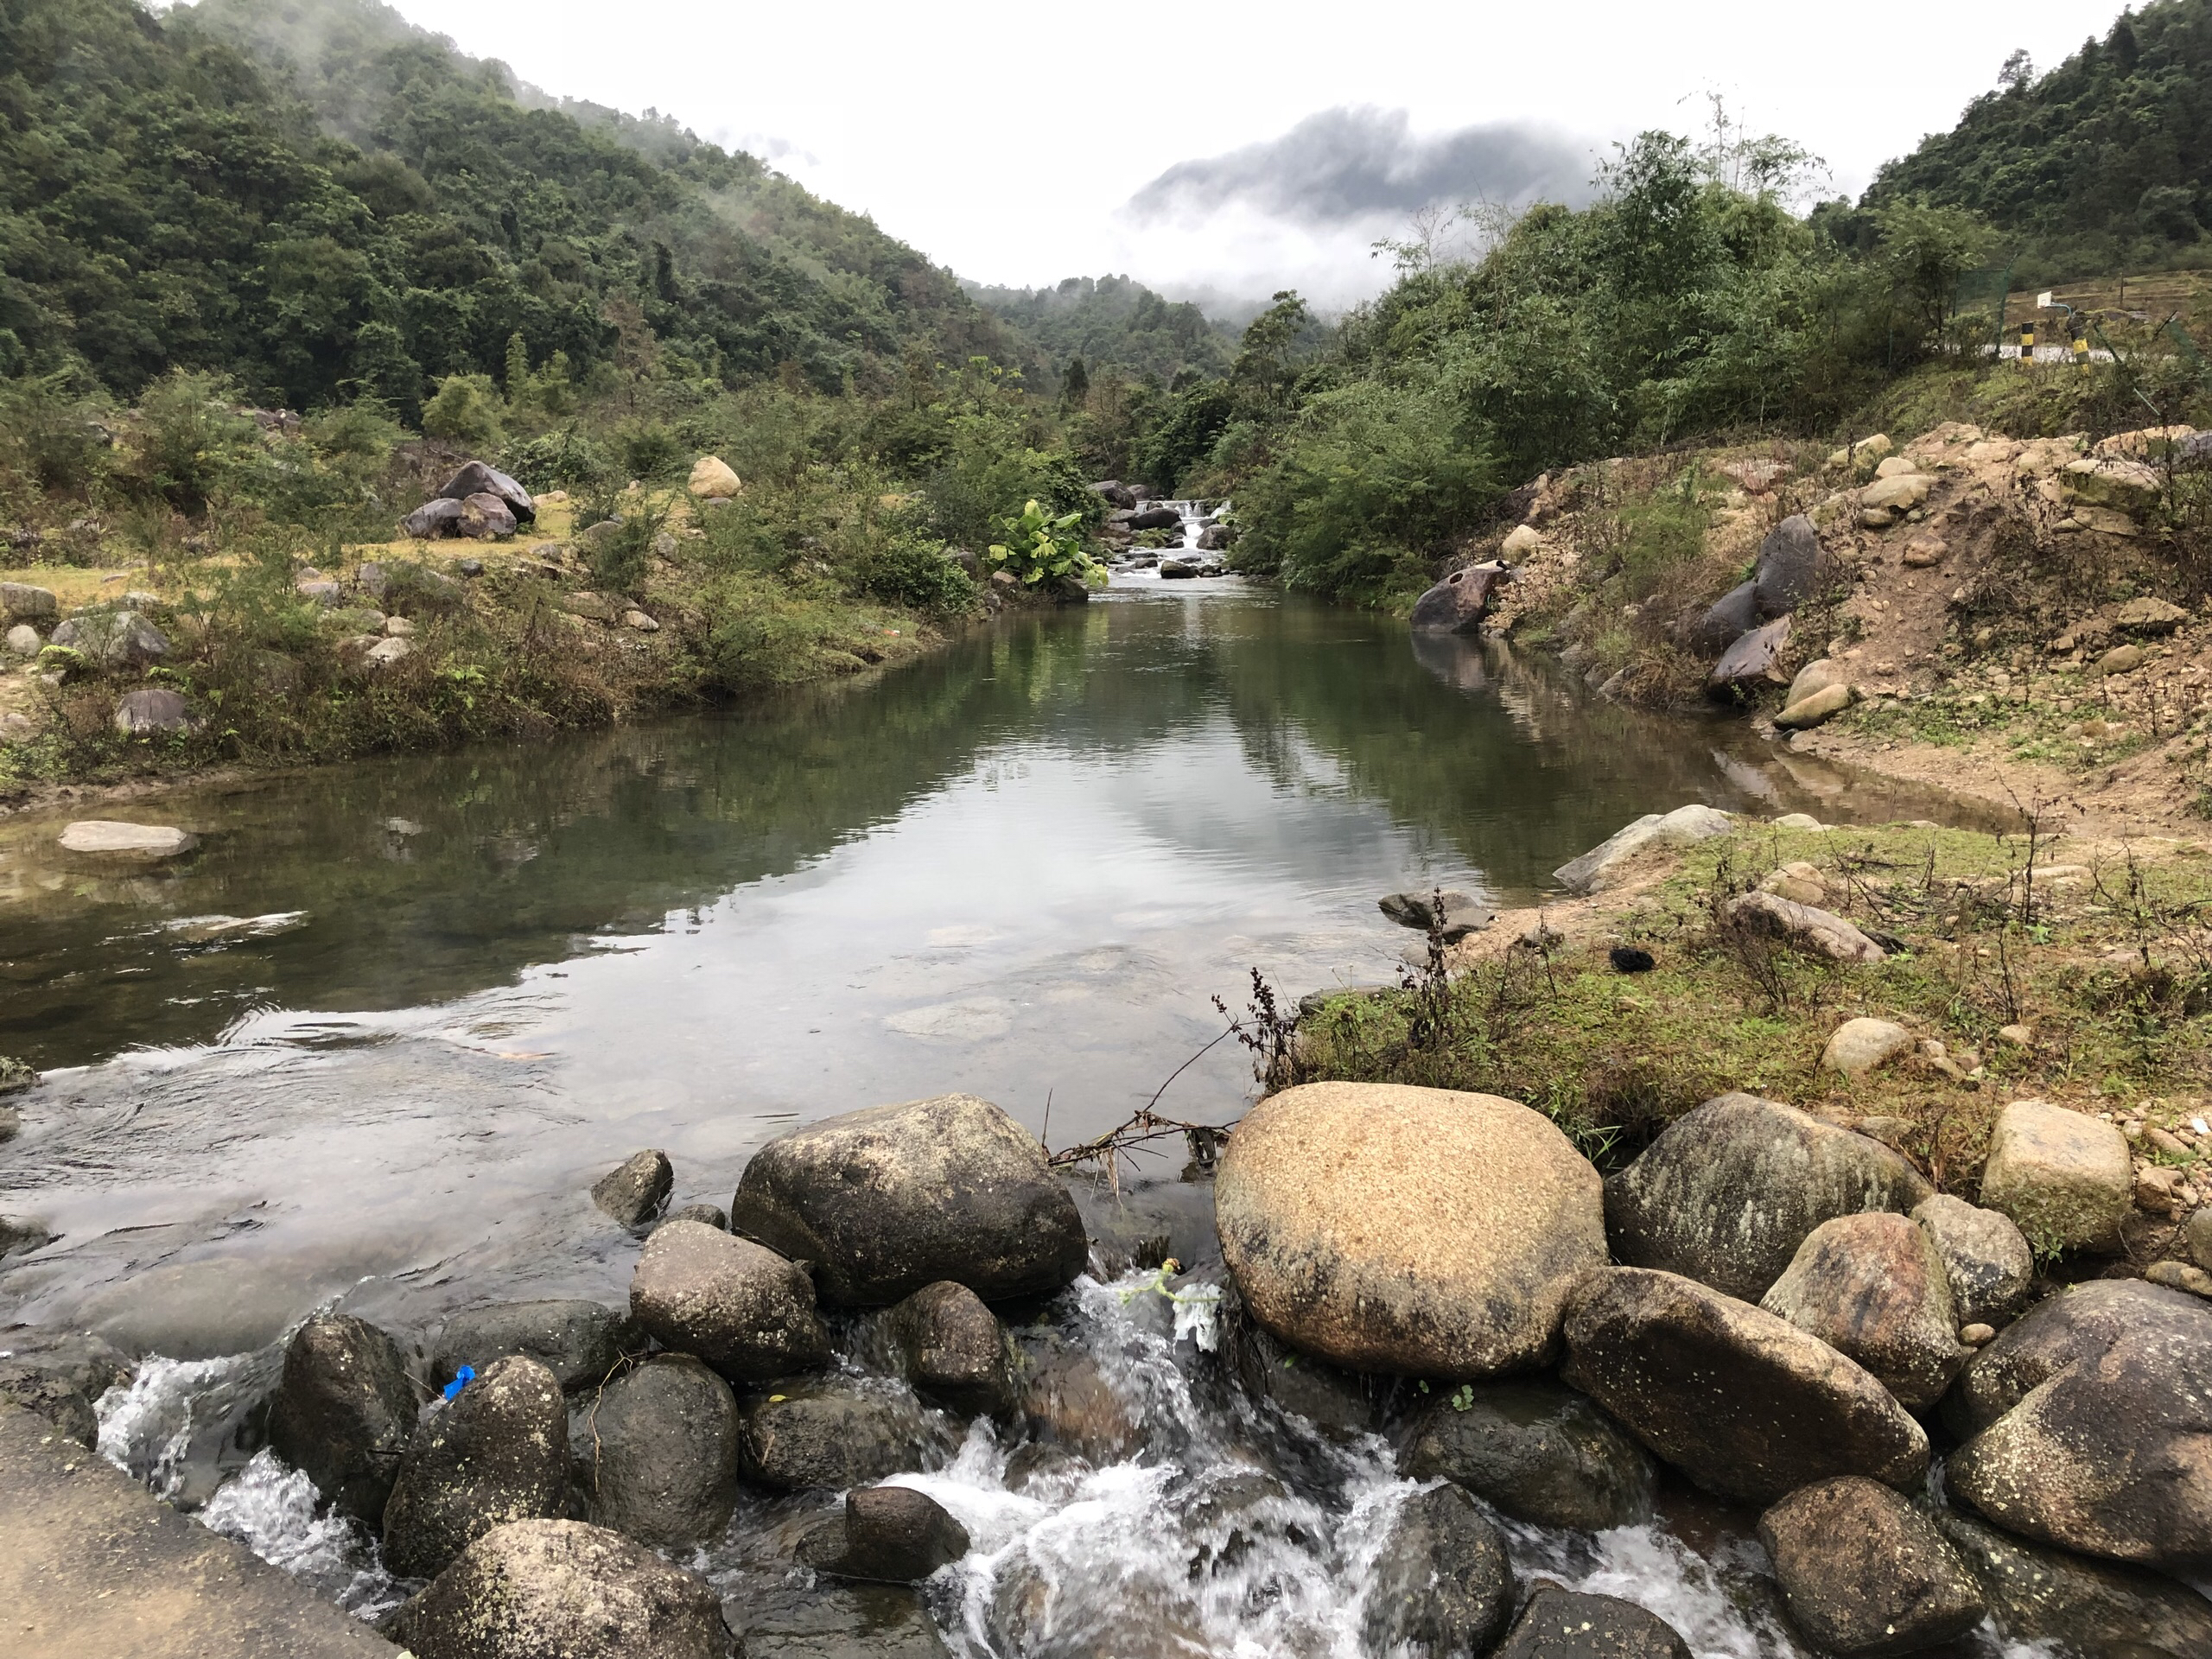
52, 434
187, 443
907, 568
466, 410
566, 460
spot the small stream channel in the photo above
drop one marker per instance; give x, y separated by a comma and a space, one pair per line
369, 1044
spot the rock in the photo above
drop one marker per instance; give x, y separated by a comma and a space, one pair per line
1727, 1193
2149, 616
1819, 933
152, 711
1867, 1576
639, 621
1744, 1403
1462, 915
434, 518
18, 1236
1155, 518
589, 605
1815, 678
2103, 1451
1898, 494
1535, 1450
1727, 619
1922, 552
22, 640
1813, 710
535, 1588
1683, 827
1176, 569
745, 1310
20, 602
1216, 539
1857, 1046
1757, 656
344, 1411
2016, 1036
1789, 567
1442, 1583
1340, 1405
2120, 659
119, 641
954, 1351
635, 1191
1118, 492
476, 478
2127, 485
484, 517
59, 1376
1458, 603
1986, 1261
1567, 1625
713, 480
2064, 1177
1866, 452
498, 1451
398, 627
2198, 1234
1873, 1288
887, 1200
842, 1621
657, 1454
707, 1215
1520, 542
1896, 466
887, 1535
2078, 1605
2179, 1275
1631, 959
832, 1434
581, 1343
1421, 1231
139, 840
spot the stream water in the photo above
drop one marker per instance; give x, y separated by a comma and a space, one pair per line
369, 1045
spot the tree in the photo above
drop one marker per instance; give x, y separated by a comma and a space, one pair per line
1266, 363
1929, 249
1075, 385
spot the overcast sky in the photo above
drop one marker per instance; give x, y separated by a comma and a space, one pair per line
1236, 146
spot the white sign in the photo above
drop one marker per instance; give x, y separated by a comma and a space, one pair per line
2042, 299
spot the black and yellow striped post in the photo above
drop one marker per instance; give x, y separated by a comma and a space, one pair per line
2028, 341
2080, 343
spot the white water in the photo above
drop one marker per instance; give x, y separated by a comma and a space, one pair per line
1233, 1533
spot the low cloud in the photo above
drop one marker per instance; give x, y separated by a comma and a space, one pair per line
1347, 167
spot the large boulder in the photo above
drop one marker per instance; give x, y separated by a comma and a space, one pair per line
832, 1434
1419, 1231
1537, 1451
1728, 1192
635, 1190
745, 1310
2077, 1606
1987, 1262
581, 1343
111, 838
2078, 1326
1816, 932
887, 1200
1442, 1583
889, 1535
1753, 660
1685, 826
344, 1411
2064, 1177
1872, 1287
20, 602
1789, 570
152, 711
433, 519
1567, 1625
1727, 619
658, 1454
1458, 603
1867, 1576
476, 478
2104, 1453
713, 479
1746, 1404
535, 1588
484, 517
955, 1352
120, 641
1155, 518
498, 1451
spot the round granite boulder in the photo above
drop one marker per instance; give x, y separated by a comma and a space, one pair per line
498, 1451
1417, 1231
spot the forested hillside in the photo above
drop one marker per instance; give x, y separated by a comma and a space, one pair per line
2103, 163
319, 198
1113, 323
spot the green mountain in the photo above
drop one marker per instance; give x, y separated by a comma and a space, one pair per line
2104, 162
1114, 323
314, 195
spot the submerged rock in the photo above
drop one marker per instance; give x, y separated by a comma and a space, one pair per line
954, 1351
2076, 1605
832, 1434
581, 1343
889, 1535
1539, 1451
656, 1457
535, 1588
1065, 1399
1872, 1287
745, 1310
1458, 603
497, 1452
1421, 1231
1728, 1192
344, 1411
98, 836
841, 1621
637, 1188
1744, 1403
887, 1200
1340, 1404
1442, 1583
1566, 1624
59, 1376
1865, 1574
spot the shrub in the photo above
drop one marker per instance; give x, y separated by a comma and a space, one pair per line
187, 442
465, 410
907, 568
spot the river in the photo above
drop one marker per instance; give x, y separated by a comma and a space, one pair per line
373, 1040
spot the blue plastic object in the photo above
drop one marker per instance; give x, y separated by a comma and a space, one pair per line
461, 1379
